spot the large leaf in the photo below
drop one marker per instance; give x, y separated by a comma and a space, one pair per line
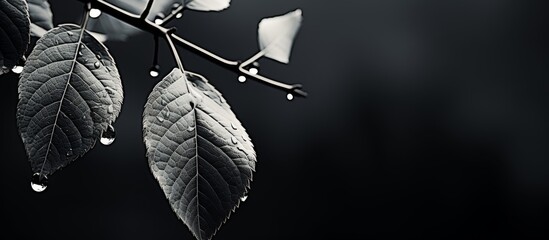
120, 31
69, 93
276, 35
41, 17
14, 32
198, 151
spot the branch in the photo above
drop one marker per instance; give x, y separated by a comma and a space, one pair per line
159, 30
145, 12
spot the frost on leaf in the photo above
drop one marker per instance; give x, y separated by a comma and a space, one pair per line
198, 151
69, 93
276, 35
14, 32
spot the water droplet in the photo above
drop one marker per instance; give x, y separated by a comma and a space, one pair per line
254, 71
98, 56
84, 117
290, 97
154, 71
110, 109
241, 79
167, 114
39, 182
234, 140
80, 53
95, 13
108, 136
82, 46
190, 128
70, 33
160, 118
159, 19
163, 102
243, 199
17, 69
69, 153
178, 15
97, 64
175, 6
233, 126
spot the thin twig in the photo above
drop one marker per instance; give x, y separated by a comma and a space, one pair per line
148, 26
145, 12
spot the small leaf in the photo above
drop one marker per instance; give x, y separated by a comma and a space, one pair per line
69, 93
198, 151
14, 33
207, 5
277, 34
40, 16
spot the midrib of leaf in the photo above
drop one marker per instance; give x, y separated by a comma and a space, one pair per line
197, 161
78, 44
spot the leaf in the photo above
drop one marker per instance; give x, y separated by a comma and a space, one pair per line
120, 31
198, 151
41, 16
277, 34
69, 92
14, 33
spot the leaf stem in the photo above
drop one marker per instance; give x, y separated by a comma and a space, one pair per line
148, 26
145, 12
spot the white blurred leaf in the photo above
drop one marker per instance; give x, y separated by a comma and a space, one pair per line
120, 31
276, 35
37, 31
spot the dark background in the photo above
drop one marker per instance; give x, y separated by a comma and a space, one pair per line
426, 119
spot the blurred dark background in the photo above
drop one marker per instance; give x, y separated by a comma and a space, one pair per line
426, 119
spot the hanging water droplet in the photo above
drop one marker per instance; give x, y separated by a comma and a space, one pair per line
95, 13
97, 64
160, 118
243, 199
241, 79
17, 69
108, 136
179, 15
69, 153
290, 97
159, 19
190, 128
233, 126
39, 182
110, 109
154, 71
234, 140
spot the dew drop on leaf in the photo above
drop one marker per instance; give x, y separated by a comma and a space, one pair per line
160, 118
39, 182
178, 15
98, 56
97, 64
69, 153
190, 128
80, 53
70, 33
234, 140
110, 109
108, 136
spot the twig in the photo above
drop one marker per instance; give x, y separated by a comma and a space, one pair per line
159, 30
145, 12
